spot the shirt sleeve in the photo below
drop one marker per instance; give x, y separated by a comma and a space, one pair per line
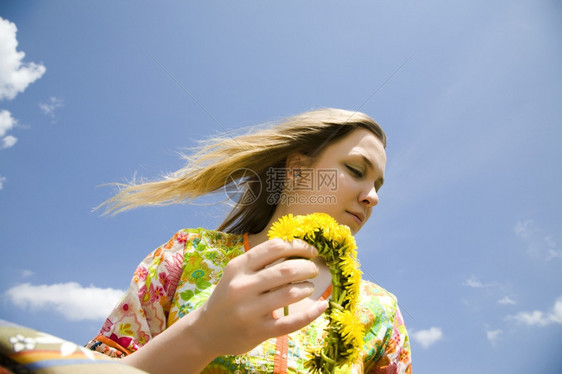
396, 358
144, 309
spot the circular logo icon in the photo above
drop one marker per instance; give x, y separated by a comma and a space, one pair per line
243, 186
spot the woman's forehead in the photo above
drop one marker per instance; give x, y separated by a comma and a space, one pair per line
360, 141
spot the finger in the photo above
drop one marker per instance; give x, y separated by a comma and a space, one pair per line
275, 249
282, 296
295, 321
285, 272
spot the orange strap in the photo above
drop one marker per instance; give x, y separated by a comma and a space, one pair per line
113, 344
281, 353
246, 242
326, 293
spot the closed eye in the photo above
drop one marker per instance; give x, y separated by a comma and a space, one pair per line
357, 173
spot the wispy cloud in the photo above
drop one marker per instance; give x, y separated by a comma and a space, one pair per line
472, 282
7, 122
493, 335
50, 106
475, 283
506, 300
15, 75
2, 181
71, 300
26, 273
540, 318
427, 338
539, 244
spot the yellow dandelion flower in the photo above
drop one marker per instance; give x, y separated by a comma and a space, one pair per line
337, 246
309, 222
351, 329
352, 288
350, 247
348, 265
324, 220
341, 317
300, 228
337, 237
354, 280
284, 228
354, 332
328, 225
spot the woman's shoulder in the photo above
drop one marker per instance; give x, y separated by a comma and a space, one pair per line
201, 238
377, 299
375, 289
210, 236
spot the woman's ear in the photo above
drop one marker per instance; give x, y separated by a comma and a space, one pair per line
294, 165
296, 161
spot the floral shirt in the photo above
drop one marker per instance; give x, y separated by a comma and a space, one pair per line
179, 276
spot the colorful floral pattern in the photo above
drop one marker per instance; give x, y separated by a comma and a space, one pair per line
179, 276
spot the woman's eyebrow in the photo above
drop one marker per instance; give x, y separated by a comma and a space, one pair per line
368, 162
371, 165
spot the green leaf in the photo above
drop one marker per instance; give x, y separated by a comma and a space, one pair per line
186, 295
201, 283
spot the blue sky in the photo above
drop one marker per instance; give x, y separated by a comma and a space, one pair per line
468, 230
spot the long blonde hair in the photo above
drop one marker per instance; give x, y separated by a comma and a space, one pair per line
225, 160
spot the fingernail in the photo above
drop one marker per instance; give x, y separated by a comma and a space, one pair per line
315, 251
322, 305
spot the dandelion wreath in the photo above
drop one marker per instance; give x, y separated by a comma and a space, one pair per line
344, 334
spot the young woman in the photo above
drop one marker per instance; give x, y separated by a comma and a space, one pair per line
211, 301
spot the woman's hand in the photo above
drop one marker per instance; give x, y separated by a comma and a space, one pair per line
239, 314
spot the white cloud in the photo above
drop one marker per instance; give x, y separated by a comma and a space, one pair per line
15, 75
70, 299
2, 180
493, 335
535, 317
540, 318
538, 243
472, 282
8, 141
7, 122
49, 107
475, 283
426, 338
506, 300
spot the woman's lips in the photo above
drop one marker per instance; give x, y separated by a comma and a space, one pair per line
357, 217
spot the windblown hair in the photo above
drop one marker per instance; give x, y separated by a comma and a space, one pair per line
224, 161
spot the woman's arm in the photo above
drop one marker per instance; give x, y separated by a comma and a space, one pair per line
239, 314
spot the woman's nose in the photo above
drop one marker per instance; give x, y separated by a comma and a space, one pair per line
371, 198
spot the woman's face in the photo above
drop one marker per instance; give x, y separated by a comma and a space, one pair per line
342, 180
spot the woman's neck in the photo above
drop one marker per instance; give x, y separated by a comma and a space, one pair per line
260, 237
256, 239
